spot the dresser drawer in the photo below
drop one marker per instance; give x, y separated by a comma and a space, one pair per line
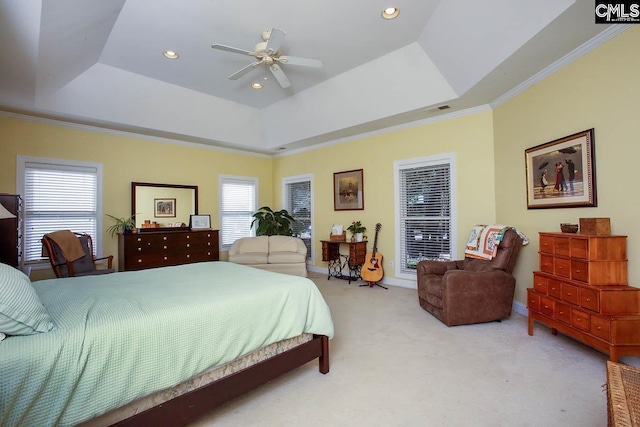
601, 327
554, 288
580, 271
589, 299
546, 244
570, 293
142, 262
561, 246
540, 283
579, 248
562, 267
562, 312
580, 320
546, 263
546, 306
533, 300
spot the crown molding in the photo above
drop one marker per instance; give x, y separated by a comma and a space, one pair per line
578, 52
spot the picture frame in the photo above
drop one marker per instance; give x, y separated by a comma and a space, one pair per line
200, 222
562, 173
348, 190
164, 208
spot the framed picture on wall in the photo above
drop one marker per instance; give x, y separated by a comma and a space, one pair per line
164, 208
562, 173
348, 191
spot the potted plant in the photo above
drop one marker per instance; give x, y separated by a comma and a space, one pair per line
122, 225
272, 223
357, 231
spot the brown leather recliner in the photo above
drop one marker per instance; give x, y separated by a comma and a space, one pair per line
470, 290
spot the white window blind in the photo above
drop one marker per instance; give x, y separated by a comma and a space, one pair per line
59, 195
425, 212
297, 201
237, 206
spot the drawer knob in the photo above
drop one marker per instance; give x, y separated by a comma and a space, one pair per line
164, 247
578, 320
599, 328
139, 260
562, 312
188, 256
165, 258
578, 271
139, 239
569, 294
188, 236
588, 299
164, 238
546, 306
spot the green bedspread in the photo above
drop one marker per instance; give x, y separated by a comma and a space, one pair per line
125, 335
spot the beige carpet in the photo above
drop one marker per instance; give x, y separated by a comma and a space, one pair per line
393, 364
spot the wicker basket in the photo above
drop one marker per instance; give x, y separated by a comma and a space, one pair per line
569, 228
338, 237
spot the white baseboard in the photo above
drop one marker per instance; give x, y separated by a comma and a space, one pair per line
520, 308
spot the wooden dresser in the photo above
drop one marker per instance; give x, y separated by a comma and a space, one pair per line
581, 290
151, 249
11, 230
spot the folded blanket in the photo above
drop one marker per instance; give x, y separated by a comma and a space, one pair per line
69, 244
484, 240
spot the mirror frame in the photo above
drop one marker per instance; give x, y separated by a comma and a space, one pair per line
135, 185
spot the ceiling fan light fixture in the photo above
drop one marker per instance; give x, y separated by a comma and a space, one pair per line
169, 54
256, 85
390, 12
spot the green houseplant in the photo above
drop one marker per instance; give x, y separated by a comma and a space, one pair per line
272, 223
123, 225
356, 228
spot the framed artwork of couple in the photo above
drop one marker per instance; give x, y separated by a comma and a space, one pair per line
562, 173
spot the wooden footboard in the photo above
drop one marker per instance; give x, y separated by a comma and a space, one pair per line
189, 406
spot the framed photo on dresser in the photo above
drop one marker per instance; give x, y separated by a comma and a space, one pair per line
200, 222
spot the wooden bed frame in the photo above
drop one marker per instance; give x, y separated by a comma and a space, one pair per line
190, 406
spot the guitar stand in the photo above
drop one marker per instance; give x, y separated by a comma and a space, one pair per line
372, 284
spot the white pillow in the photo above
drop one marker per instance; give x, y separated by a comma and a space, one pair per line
21, 312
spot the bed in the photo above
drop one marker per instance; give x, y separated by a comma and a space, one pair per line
159, 345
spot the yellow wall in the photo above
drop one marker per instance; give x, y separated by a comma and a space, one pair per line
470, 137
127, 159
600, 90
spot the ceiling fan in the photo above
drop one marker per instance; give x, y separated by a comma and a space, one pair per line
268, 53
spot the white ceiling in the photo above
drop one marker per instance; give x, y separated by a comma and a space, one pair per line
100, 63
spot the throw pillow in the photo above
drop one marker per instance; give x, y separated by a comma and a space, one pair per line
21, 312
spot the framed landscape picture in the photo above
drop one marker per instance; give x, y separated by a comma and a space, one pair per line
562, 173
348, 191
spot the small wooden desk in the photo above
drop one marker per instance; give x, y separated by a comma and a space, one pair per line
337, 262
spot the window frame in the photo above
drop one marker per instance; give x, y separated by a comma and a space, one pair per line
222, 179
63, 164
294, 180
418, 162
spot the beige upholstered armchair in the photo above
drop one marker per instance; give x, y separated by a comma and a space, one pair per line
471, 290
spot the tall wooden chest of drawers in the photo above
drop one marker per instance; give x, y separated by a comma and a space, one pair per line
581, 290
151, 249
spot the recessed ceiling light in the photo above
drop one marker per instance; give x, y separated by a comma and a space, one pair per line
390, 12
170, 54
256, 85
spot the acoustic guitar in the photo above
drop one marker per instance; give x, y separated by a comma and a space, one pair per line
372, 268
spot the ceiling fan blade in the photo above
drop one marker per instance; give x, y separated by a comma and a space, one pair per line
232, 49
245, 70
280, 76
275, 40
305, 62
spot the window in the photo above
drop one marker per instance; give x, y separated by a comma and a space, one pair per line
237, 206
59, 195
425, 204
297, 193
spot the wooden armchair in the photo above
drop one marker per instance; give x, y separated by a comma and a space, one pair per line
84, 266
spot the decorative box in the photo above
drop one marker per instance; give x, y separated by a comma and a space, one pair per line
598, 226
338, 237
